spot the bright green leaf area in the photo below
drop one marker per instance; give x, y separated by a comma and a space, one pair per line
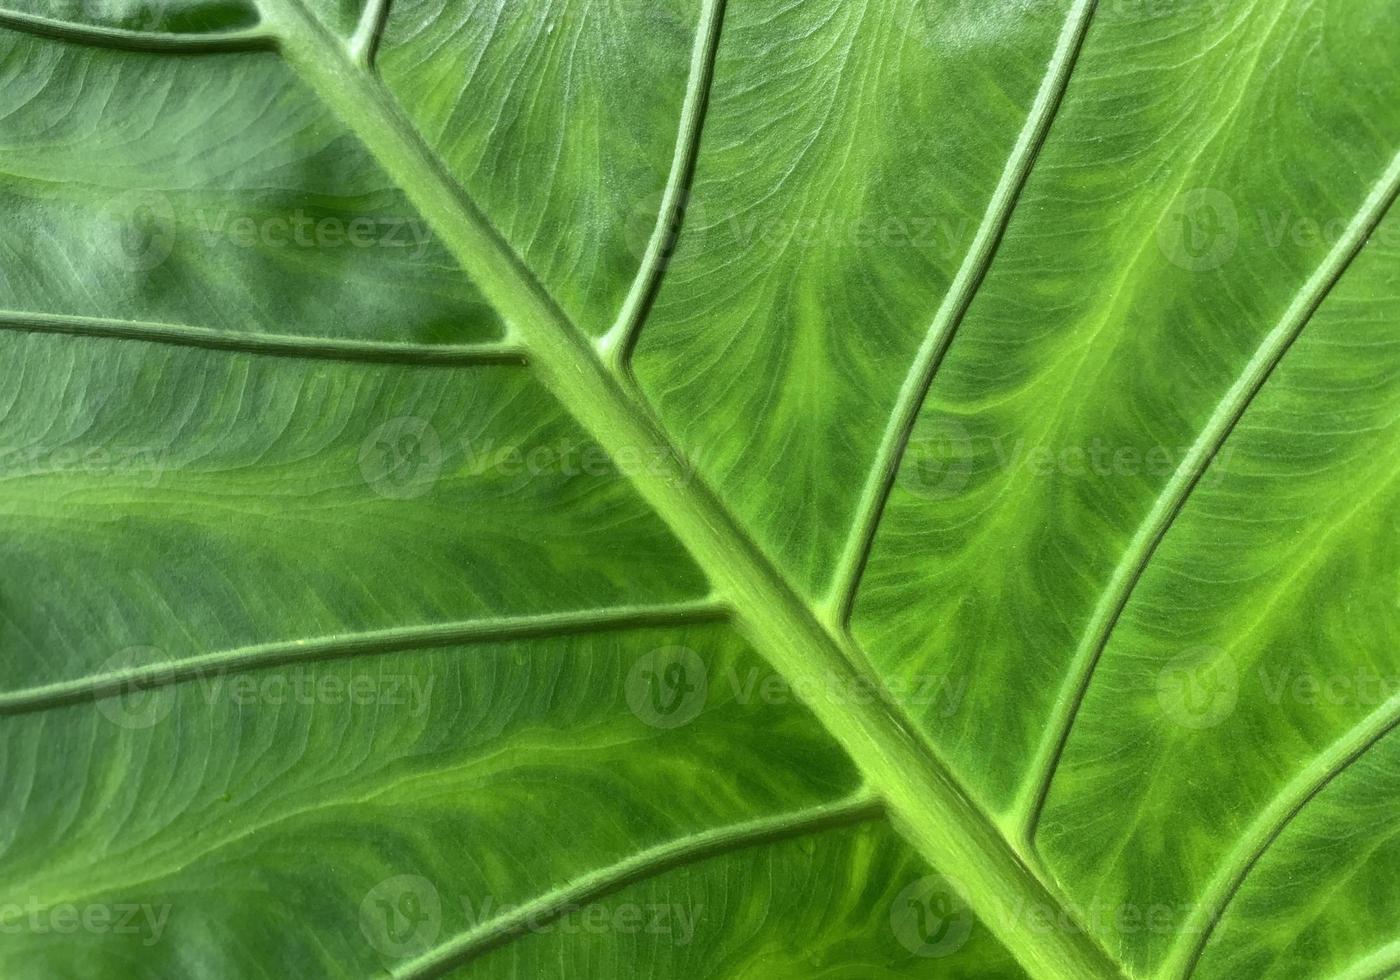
699, 489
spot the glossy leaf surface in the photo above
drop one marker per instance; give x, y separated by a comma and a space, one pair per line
699, 489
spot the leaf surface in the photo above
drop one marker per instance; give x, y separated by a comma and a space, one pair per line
699, 489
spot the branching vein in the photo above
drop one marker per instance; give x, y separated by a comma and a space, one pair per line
1266, 829
621, 338
1174, 495
274, 345
364, 44
371, 643
247, 39
639, 867
880, 482
927, 801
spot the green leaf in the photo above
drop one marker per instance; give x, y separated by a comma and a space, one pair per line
699, 489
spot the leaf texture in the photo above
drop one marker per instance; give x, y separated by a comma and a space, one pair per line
699, 488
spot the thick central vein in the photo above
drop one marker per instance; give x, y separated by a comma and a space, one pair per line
925, 802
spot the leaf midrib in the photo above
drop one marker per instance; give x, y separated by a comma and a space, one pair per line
928, 804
